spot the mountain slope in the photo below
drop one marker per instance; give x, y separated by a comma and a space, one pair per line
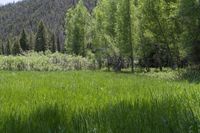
27, 14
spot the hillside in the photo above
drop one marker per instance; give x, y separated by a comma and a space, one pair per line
26, 14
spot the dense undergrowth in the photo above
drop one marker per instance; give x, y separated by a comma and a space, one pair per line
96, 102
45, 62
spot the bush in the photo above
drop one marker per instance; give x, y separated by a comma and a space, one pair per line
45, 62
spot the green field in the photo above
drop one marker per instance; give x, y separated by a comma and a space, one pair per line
96, 102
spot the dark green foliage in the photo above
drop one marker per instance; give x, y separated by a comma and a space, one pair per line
53, 43
154, 55
16, 49
24, 41
58, 45
31, 41
190, 17
191, 75
7, 48
1, 47
41, 42
27, 13
195, 55
77, 41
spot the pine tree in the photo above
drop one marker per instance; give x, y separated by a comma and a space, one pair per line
7, 50
31, 41
58, 45
16, 50
24, 41
1, 47
53, 43
41, 42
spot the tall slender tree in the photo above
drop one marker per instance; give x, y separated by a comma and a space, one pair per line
1, 47
16, 49
7, 50
41, 40
103, 31
53, 43
58, 44
76, 20
31, 41
24, 41
124, 30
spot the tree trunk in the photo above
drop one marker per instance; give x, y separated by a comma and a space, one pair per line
130, 37
132, 64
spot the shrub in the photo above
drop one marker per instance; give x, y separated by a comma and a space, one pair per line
45, 62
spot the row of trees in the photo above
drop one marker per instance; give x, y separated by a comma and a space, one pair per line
151, 33
42, 41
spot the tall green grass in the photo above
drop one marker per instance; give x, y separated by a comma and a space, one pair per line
96, 102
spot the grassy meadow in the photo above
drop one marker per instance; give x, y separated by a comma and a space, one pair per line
97, 102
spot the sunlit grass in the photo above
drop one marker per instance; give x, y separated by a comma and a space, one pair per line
99, 102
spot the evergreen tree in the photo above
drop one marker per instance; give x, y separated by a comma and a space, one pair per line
58, 44
7, 50
41, 42
24, 41
16, 50
31, 41
53, 43
1, 47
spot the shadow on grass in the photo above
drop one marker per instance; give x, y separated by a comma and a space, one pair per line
142, 117
124, 117
49, 119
